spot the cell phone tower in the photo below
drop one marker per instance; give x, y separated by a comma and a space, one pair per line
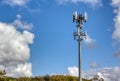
79, 35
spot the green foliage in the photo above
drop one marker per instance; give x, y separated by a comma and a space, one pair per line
43, 78
62, 78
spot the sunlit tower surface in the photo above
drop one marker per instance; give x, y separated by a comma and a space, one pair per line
79, 36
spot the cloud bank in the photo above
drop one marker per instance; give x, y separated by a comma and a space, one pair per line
90, 2
15, 51
116, 32
109, 74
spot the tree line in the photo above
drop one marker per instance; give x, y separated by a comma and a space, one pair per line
43, 78
40, 78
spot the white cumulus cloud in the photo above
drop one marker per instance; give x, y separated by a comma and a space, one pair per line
15, 2
109, 74
91, 2
20, 70
15, 51
73, 71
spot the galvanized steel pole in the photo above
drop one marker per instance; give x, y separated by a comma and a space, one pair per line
79, 19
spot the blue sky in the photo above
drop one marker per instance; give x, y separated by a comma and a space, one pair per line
53, 49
